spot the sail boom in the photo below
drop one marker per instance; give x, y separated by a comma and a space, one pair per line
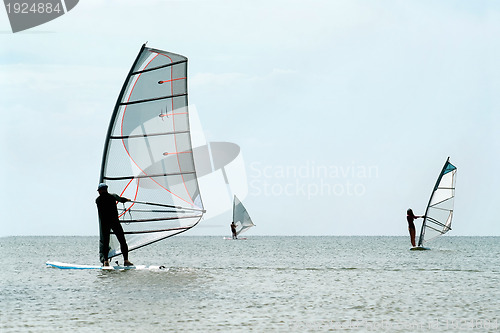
154, 231
169, 206
161, 219
150, 211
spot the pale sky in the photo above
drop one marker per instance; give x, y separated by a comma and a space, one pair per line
345, 111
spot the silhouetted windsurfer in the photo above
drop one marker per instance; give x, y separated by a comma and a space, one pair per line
233, 230
108, 216
410, 217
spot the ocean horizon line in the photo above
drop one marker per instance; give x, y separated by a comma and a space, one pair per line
252, 236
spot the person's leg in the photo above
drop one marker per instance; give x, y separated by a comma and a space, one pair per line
118, 230
104, 243
412, 236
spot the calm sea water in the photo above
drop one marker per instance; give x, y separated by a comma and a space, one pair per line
263, 284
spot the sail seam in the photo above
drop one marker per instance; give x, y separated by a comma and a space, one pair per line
149, 176
160, 67
146, 135
440, 202
444, 209
153, 231
160, 219
153, 99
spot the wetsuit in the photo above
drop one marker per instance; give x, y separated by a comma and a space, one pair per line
411, 228
108, 220
233, 230
410, 221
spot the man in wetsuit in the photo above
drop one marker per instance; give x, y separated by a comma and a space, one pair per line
411, 227
108, 217
233, 230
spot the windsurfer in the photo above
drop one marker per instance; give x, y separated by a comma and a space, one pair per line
233, 230
108, 216
411, 227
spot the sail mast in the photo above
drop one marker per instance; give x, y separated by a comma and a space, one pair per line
234, 206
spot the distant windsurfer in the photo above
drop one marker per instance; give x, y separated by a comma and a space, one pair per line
108, 217
410, 217
233, 230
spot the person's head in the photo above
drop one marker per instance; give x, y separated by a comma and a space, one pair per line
409, 211
102, 188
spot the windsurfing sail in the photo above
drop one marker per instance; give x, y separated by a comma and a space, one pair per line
439, 212
241, 217
148, 156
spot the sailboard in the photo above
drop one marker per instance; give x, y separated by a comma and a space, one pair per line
148, 155
241, 218
63, 265
439, 211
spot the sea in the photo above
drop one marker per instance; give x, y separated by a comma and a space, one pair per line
262, 284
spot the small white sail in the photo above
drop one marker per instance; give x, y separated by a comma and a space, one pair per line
241, 217
439, 212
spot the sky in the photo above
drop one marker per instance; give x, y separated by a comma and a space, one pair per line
345, 111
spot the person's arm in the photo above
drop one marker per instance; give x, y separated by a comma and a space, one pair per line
119, 199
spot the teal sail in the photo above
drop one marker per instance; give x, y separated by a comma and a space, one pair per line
148, 156
439, 212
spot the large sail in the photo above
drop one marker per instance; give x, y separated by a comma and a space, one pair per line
148, 156
439, 212
241, 217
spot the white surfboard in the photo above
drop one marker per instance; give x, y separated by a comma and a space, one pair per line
63, 265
